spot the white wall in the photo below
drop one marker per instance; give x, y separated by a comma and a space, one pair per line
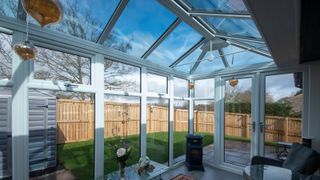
314, 104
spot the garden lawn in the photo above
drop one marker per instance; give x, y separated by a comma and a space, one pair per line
78, 157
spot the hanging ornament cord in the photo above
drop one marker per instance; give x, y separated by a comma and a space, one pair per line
27, 31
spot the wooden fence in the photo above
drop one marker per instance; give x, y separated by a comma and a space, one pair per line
75, 122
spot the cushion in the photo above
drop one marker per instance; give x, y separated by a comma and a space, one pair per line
313, 164
297, 157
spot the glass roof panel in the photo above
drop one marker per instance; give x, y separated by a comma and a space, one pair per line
261, 46
243, 57
234, 26
177, 43
9, 8
224, 6
210, 66
186, 65
84, 19
140, 25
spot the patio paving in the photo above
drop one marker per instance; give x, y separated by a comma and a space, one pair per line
236, 152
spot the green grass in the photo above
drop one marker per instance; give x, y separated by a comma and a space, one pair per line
79, 157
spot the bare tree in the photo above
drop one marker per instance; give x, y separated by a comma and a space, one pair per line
66, 67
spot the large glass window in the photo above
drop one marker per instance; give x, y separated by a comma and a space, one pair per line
204, 124
178, 42
237, 122
84, 19
158, 130
5, 132
121, 77
60, 66
139, 27
180, 87
122, 129
283, 113
181, 120
5, 56
61, 132
157, 84
204, 88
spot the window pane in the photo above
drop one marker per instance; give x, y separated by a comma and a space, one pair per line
283, 113
61, 132
5, 133
60, 66
9, 8
178, 42
140, 25
226, 6
234, 26
204, 88
121, 77
237, 122
180, 87
238, 57
157, 84
122, 129
84, 19
204, 125
157, 130
5, 56
180, 129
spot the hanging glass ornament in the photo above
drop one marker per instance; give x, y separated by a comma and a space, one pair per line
44, 11
233, 82
26, 50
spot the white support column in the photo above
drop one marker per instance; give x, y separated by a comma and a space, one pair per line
255, 109
98, 83
191, 109
143, 111
20, 115
219, 121
171, 119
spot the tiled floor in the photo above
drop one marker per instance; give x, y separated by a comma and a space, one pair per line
210, 173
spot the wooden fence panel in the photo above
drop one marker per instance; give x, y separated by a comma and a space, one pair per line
75, 122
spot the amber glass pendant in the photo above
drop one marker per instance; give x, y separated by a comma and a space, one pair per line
25, 50
44, 11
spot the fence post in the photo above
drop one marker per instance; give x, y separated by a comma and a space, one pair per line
286, 128
248, 133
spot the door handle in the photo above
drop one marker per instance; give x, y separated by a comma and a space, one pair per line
253, 126
261, 125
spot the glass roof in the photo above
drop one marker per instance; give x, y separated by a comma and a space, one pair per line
207, 66
177, 43
234, 26
139, 27
142, 23
9, 8
243, 57
225, 6
84, 19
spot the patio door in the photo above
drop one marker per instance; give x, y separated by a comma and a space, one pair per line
238, 121
281, 119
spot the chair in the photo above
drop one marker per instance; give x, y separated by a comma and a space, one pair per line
301, 160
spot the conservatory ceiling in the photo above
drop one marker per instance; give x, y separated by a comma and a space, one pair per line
191, 36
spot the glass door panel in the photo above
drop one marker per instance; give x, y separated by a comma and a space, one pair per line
283, 113
237, 122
